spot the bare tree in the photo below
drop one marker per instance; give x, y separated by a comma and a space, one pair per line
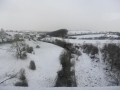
2, 34
20, 49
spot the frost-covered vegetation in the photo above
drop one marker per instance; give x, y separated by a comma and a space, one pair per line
59, 59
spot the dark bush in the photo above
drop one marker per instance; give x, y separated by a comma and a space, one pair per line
111, 55
37, 46
90, 49
22, 83
65, 59
63, 79
94, 50
22, 75
23, 79
72, 37
60, 43
63, 44
32, 65
64, 75
23, 55
59, 33
76, 51
29, 49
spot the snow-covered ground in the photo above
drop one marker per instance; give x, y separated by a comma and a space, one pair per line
94, 36
77, 41
88, 36
89, 73
73, 32
13, 33
61, 88
46, 59
91, 41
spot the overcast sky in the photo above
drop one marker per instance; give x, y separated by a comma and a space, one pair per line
47, 15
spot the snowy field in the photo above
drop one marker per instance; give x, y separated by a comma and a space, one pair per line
46, 59
73, 32
77, 41
91, 41
13, 33
61, 88
88, 72
93, 36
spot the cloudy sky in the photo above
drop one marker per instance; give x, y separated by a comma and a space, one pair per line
46, 15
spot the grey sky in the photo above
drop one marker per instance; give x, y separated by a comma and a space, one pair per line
98, 15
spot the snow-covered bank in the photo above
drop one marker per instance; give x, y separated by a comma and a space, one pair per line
61, 88
93, 71
46, 59
89, 73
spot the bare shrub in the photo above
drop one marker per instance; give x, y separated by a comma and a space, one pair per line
23, 55
22, 75
90, 50
29, 49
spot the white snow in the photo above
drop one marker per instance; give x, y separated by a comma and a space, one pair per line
112, 35
91, 41
73, 32
88, 36
46, 59
13, 33
94, 36
77, 41
61, 88
89, 73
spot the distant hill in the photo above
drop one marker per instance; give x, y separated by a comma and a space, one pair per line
58, 33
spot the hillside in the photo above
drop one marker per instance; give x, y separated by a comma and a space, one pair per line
46, 60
